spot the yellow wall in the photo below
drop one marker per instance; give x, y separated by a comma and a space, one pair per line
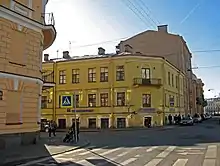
158, 68
21, 49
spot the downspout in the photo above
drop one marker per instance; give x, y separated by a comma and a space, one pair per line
163, 90
112, 97
54, 90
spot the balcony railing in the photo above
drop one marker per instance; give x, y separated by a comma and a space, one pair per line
48, 19
48, 76
145, 81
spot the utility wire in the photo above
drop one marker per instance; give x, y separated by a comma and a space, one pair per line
135, 12
140, 6
150, 12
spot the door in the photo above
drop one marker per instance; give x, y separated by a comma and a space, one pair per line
147, 121
104, 123
62, 123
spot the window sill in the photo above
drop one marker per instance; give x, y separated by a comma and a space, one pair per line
15, 123
91, 81
120, 80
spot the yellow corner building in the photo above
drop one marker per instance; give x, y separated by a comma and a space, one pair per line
111, 90
24, 34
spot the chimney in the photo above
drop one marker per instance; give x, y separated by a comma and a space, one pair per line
101, 51
46, 57
66, 55
162, 28
128, 48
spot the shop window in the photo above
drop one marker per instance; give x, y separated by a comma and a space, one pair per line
121, 123
104, 123
92, 123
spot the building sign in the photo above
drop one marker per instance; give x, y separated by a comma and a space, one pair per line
67, 101
147, 110
80, 111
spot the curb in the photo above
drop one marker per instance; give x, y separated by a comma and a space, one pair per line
22, 161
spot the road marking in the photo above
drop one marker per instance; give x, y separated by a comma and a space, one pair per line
191, 153
166, 152
153, 162
84, 162
209, 162
211, 151
180, 162
128, 161
109, 151
151, 149
122, 154
74, 151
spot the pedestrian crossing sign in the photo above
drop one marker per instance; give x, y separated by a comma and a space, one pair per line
67, 101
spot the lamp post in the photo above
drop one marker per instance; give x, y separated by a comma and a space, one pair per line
75, 116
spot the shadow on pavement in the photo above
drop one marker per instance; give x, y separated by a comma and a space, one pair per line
204, 133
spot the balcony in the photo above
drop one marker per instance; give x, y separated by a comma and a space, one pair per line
147, 82
48, 79
49, 30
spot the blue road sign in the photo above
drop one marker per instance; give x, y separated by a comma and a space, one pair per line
67, 101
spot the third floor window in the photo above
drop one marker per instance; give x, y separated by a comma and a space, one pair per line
91, 75
104, 74
120, 73
62, 77
75, 76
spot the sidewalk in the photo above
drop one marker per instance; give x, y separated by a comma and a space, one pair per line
44, 148
122, 129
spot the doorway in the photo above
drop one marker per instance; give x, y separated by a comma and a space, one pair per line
147, 121
62, 123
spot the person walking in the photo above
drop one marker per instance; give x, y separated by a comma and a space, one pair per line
52, 128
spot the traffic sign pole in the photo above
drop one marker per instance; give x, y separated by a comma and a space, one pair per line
75, 117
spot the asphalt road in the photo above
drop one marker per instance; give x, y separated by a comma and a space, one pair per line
197, 145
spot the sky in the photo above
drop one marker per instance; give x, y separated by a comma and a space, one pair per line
84, 25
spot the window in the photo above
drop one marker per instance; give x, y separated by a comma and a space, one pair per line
91, 75
146, 100
92, 100
1, 95
62, 75
172, 79
177, 82
77, 100
145, 73
168, 78
104, 99
44, 102
92, 123
121, 99
75, 76
104, 74
120, 73
121, 123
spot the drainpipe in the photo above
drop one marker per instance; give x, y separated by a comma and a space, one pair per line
54, 91
163, 91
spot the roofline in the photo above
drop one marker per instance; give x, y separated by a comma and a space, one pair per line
116, 56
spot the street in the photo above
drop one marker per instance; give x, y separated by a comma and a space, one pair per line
197, 145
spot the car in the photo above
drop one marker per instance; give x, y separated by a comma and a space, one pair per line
187, 121
197, 118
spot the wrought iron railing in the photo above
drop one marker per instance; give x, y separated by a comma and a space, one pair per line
145, 81
48, 19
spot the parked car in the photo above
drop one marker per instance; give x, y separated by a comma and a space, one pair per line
197, 118
187, 121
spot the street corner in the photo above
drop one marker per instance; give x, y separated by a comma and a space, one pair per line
52, 150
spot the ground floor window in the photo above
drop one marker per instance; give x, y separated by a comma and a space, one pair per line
121, 122
92, 123
104, 123
62, 123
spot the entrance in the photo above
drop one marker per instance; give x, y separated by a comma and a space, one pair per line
104, 123
62, 123
147, 121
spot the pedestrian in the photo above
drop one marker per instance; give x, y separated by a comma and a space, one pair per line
170, 118
77, 130
52, 128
